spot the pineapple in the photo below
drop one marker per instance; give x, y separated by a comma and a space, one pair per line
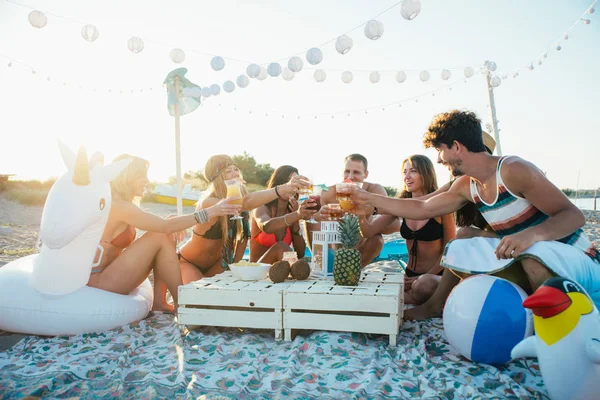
347, 263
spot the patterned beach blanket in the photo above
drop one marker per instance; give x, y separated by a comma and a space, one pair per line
153, 358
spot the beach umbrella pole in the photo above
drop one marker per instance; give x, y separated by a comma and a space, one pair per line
178, 149
490, 89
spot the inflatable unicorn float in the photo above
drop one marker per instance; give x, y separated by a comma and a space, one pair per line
47, 293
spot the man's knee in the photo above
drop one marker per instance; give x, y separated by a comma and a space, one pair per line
425, 284
162, 239
374, 243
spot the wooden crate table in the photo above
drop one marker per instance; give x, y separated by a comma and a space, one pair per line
383, 277
370, 307
223, 300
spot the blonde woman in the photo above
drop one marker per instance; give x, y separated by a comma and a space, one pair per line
221, 241
126, 261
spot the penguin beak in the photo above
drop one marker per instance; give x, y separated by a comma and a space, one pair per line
547, 302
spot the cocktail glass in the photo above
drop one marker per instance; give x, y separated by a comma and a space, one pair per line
234, 189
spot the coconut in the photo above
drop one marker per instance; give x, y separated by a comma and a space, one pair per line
300, 270
279, 271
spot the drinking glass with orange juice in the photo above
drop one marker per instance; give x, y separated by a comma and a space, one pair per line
234, 189
344, 199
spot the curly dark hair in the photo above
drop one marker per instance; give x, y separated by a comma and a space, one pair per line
462, 126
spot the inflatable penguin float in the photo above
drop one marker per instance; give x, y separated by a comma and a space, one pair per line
566, 341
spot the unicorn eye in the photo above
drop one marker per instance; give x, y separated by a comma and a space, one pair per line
102, 204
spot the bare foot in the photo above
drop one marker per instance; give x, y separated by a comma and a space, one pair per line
424, 311
163, 307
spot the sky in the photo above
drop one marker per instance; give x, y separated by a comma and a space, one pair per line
109, 99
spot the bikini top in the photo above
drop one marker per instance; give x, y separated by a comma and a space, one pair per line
123, 239
269, 239
430, 232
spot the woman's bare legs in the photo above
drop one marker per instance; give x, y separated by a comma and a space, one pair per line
153, 251
422, 289
275, 253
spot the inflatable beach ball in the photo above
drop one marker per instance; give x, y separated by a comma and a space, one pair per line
484, 319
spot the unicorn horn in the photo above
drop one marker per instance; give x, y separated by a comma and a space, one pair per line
81, 175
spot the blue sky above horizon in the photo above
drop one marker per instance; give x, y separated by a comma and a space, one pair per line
547, 115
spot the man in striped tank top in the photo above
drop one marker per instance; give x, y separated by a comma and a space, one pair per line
536, 229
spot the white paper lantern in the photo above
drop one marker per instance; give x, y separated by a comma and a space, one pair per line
217, 63
410, 9
424, 76
295, 64
558, 47
287, 74
206, 92
374, 77
177, 56
495, 81
515, 74
591, 10
446, 74
228, 86
253, 70
215, 89
314, 56
490, 65
263, 74
347, 76
90, 33
135, 44
320, 75
566, 37
343, 44
545, 55
539, 61
274, 70
242, 81
37, 19
373, 29
469, 71
586, 21
401, 76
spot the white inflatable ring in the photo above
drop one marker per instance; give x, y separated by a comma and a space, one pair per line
24, 309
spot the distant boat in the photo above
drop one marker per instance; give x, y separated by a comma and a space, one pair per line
167, 194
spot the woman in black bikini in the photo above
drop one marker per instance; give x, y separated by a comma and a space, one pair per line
425, 239
221, 241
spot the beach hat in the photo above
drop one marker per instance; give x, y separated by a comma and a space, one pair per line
488, 142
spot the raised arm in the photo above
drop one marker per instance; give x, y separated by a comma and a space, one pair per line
257, 199
378, 224
134, 216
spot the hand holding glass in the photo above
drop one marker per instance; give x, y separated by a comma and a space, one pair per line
234, 189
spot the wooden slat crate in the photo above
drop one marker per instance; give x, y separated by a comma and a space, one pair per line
321, 305
383, 277
223, 300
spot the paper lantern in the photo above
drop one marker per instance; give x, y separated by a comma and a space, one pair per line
495, 81
446, 74
343, 44
545, 55
295, 64
217, 63
274, 70
410, 9
347, 76
177, 56
515, 74
490, 65
287, 74
373, 29
401, 76
558, 47
374, 77
228, 86
469, 71
263, 74
37, 19
586, 21
90, 33
253, 70
135, 44
424, 76
206, 92
566, 37
539, 61
215, 89
242, 81
314, 56
320, 75
591, 10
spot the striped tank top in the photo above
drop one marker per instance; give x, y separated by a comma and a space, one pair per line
509, 214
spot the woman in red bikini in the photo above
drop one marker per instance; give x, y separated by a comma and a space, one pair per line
275, 226
425, 239
221, 241
127, 262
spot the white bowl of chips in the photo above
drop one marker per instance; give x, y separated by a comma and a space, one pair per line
250, 271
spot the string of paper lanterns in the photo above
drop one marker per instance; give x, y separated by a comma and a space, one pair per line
584, 18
